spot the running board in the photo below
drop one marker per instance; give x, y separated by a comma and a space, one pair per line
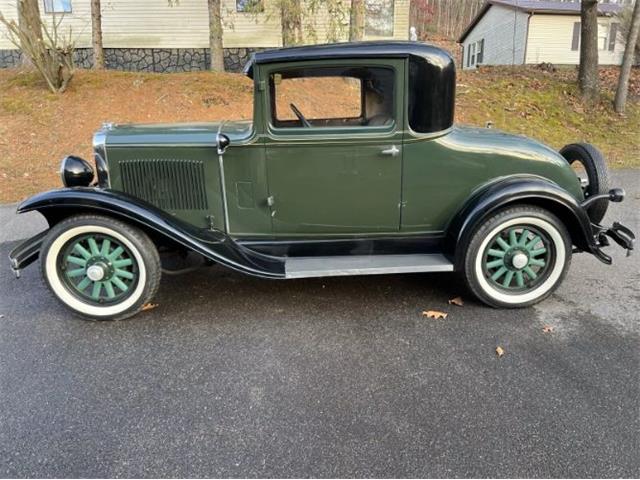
306, 267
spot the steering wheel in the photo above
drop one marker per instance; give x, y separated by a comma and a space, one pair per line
298, 113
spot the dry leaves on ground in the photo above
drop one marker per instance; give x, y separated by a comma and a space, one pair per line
435, 314
456, 301
499, 351
547, 329
149, 306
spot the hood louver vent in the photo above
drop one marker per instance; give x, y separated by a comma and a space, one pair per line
168, 184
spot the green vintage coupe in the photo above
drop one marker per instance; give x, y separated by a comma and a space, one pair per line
377, 180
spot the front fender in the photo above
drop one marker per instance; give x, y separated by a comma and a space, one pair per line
522, 189
56, 205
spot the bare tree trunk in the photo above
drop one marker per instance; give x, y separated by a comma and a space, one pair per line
27, 9
215, 36
96, 35
356, 22
291, 18
627, 61
588, 73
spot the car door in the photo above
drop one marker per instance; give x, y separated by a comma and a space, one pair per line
338, 171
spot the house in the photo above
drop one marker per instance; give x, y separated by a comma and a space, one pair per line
173, 35
523, 32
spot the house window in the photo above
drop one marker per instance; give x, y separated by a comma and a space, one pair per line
603, 36
479, 51
575, 40
378, 18
613, 35
57, 6
249, 6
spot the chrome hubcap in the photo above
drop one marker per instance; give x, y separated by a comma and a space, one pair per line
520, 260
95, 272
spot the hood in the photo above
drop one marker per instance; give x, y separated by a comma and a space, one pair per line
159, 134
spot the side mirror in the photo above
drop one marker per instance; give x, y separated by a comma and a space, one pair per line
222, 143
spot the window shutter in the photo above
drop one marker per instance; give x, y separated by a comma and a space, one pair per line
469, 55
613, 34
480, 55
575, 42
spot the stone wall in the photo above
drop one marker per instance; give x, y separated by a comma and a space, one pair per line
9, 58
149, 59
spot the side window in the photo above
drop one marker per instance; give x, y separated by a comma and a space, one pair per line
332, 97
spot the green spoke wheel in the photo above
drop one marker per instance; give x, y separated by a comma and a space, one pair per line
518, 258
106, 271
99, 267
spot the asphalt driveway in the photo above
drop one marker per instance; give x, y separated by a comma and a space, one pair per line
235, 376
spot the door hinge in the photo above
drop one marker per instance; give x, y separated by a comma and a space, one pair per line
262, 85
271, 201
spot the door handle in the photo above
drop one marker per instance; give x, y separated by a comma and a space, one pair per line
393, 151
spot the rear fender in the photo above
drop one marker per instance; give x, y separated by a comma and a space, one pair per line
521, 189
56, 205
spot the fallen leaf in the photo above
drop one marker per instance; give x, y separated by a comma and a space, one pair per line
547, 329
456, 301
149, 306
499, 351
435, 314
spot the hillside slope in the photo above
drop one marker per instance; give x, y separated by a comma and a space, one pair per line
38, 128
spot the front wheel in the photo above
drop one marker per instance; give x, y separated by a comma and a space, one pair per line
99, 267
517, 257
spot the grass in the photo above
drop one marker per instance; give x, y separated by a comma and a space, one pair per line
547, 106
38, 128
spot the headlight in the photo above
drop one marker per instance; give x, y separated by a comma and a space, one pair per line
75, 172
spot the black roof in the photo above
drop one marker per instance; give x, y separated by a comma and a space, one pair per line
378, 49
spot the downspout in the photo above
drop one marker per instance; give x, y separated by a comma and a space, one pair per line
526, 39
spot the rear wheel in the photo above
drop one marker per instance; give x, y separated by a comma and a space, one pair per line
517, 257
591, 168
100, 268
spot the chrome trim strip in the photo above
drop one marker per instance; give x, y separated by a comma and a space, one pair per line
100, 150
222, 180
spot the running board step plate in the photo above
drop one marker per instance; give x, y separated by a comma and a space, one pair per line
306, 267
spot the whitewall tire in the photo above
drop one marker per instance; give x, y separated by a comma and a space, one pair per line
517, 257
99, 267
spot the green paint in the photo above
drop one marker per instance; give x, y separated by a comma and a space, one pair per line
336, 182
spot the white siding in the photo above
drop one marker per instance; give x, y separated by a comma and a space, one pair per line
504, 31
156, 24
321, 24
8, 9
77, 23
550, 38
249, 29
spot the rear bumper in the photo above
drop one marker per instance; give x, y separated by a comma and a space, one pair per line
620, 234
26, 253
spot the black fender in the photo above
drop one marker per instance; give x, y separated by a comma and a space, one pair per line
56, 205
522, 189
